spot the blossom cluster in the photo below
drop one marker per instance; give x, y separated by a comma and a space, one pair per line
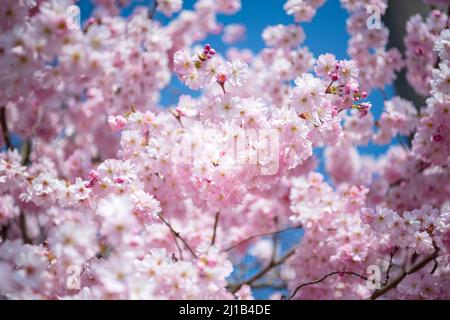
106, 193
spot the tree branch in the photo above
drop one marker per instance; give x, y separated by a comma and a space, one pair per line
261, 235
216, 223
180, 251
269, 285
400, 278
177, 235
177, 117
422, 168
26, 152
351, 273
152, 10
23, 228
5, 131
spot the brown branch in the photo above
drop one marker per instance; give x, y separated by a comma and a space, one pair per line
400, 278
180, 251
216, 223
269, 285
327, 90
177, 117
4, 231
274, 247
386, 279
261, 235
23, 228
436, 248
26, 152
25, 160
177, 234
152, 10
5, 131
263, 271
448, 17
351, 273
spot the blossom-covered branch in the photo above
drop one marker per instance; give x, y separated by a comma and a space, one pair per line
399, 279
178, 236
117, 194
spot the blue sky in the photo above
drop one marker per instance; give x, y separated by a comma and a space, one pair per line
325, 34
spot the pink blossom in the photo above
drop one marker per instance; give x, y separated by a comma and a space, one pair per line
233, 33
106, 192
169, 7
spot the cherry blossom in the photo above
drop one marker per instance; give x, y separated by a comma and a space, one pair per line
106, 192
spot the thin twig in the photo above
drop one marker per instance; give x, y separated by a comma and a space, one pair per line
351, 273
327, 90
436, 264
261, 235
401, 180
386, 279
436, 249
180, 251
177, 234
274, 242
152, 10
216, 223
177, 117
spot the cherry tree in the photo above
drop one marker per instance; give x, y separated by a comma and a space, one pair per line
107, 194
